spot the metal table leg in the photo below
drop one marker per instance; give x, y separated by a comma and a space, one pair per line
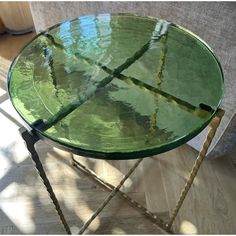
109, 197
213, 127
153, 217
165, 226
30, 140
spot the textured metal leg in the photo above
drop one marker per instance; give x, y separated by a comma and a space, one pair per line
154, 218
109, 197
30, 141
213, 127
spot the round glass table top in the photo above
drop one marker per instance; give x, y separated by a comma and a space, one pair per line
116, 86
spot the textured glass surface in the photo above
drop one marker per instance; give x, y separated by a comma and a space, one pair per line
116, 86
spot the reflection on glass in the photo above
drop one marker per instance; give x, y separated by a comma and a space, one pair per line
123, 84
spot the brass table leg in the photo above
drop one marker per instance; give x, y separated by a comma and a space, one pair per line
154, 218
30, 141
109, 197
213, 127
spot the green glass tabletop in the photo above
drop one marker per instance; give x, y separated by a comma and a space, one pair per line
116, 86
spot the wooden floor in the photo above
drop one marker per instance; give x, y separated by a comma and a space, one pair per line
25, 207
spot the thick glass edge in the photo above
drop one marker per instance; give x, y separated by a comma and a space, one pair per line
116, 155
122, 155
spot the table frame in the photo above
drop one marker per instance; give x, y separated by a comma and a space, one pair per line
31, 139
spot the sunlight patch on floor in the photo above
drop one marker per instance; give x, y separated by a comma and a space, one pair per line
84, 213
2, 91
117, 230
11, 144
187, 227
74, 229
5, 164
5, 63
14, 207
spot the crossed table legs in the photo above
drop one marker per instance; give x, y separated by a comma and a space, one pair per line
31, 138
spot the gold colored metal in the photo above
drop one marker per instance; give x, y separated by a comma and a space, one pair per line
30, 141
153, 217
109, 197
162, 59
213, 127
166, 227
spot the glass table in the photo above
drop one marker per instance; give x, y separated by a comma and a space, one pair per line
116, 86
